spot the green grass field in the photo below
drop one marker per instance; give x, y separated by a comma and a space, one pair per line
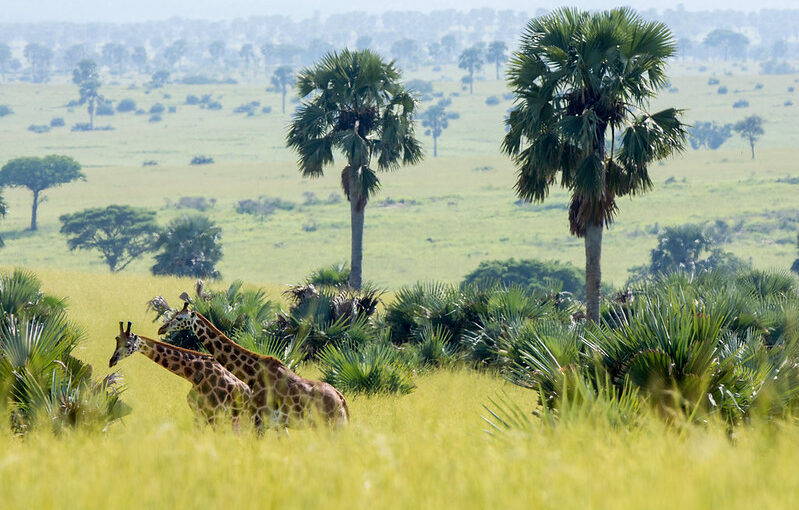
463, 210
424, 450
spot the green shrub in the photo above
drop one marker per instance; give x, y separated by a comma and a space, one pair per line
126, 105
533, 275
371, 368
5, 110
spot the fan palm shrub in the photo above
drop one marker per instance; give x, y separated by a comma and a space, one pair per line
370, 368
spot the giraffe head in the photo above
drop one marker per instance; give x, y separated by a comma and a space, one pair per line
127, 344
183, 319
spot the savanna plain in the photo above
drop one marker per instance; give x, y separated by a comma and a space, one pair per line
433, 447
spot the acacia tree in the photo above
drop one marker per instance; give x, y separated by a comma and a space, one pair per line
496, 54
121, 233
579, 79
436, 120
282, 78
354, 102
87, 79
750, 129
472, 61
39, 174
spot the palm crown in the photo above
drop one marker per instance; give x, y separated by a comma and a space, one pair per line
354, 102
577, 75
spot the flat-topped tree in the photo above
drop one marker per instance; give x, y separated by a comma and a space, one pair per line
582, 83
355, 103
39, 174
120, 232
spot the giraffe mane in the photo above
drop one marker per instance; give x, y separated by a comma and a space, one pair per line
216, 331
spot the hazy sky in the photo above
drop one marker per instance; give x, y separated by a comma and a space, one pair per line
142, 10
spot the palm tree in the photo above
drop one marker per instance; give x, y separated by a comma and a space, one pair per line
472, 61
436, 120
282, 78
354, 102
577, 76
496, 54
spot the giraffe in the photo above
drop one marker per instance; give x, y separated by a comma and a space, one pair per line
214, 390
275, 388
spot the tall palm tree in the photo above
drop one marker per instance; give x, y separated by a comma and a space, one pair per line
282, 78
496, 54
582, 83
354, 102
471, 59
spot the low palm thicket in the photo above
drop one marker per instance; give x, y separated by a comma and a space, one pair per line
41, 382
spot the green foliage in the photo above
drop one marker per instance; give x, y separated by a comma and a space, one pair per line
86, 77
536, 277
39, 174
709, 135
39, 377
121, 233
370, 369
689, 248
750, 129
190, 246
334, 275
471, 59
353, 102
241, 314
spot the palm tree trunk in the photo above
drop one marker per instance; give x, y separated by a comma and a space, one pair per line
593, 270
497, 69
435, 146
284, 99
34, 208
752, 145
471, 81
356, 264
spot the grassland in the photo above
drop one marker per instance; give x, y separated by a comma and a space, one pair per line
424, 450
463, 208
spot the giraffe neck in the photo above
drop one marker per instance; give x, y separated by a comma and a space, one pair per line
244, 364
175, 359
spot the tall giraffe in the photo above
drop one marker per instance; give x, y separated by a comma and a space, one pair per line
214, 390
275, 388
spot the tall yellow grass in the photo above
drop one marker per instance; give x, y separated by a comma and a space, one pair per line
424, 450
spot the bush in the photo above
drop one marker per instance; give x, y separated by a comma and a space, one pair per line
335, 275
157, 108
197, 203
248, 108
741, 103
82, 126
191, 99
39, 376
126, 105
5, 110
213, 105
201, 160
57, 122
722, 89
532, 275
492, 100
150, 162
173, 109
370, 369
263, 206
190, 246
712, 81
758, 86
266, 109
155, 118
104, 109
39, 128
